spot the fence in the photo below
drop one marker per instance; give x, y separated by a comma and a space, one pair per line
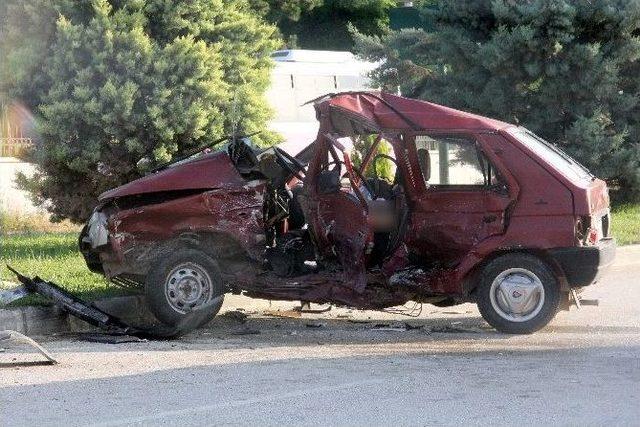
14, 147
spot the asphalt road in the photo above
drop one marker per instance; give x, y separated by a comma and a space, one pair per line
352, 368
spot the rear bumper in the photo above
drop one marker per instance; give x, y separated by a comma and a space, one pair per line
582, 266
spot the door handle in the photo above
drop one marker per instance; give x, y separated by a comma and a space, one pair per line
489, 218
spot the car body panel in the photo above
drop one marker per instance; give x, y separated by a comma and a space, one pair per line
443, 235
210, 171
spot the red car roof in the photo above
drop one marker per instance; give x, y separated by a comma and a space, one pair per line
396, 112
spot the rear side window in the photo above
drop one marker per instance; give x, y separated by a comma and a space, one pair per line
553, 155
453, 161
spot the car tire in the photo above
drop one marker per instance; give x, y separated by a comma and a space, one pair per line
182, 281
518, 293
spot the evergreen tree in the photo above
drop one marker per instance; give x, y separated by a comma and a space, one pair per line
115, 81
567, 70
324, 24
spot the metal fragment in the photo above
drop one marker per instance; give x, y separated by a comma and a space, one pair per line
17, 337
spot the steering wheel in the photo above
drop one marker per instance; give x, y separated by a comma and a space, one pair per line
289, 163
357, 171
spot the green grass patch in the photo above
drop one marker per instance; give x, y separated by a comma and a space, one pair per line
53, 257
625, 223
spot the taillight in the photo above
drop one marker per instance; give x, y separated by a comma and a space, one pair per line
590, 229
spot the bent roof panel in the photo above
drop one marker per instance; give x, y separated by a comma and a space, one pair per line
379, 107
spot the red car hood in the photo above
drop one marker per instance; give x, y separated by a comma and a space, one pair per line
207, 172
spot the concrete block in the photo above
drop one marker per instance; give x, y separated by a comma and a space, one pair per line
48, 320
12, 319
129, 309
76, 325
44, 320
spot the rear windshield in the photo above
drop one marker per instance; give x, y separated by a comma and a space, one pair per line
552, 155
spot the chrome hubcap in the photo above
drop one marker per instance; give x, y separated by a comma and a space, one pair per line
187, 287
517, 295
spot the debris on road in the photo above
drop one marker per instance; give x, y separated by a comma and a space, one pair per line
111, 324
236, 315
396, 327
316, 324
306, 308
390, 329
291, 314
109, 338
452, 329
410, 327
246, 331
17, 337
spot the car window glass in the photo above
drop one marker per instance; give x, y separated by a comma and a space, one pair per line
552, 155
446, 160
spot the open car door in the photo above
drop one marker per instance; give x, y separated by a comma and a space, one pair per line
337, 215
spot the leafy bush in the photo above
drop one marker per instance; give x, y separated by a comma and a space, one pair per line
115, 81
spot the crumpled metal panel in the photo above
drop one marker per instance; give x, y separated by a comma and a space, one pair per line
203, 173
17, 337
343, 222
235, 213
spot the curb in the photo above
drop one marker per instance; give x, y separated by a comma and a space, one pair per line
51, 319
629, 249
627, 255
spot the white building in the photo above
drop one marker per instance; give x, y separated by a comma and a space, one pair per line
302, 75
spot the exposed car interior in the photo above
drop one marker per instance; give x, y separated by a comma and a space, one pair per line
289, 245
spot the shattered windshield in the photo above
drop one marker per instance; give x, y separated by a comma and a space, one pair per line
552, 154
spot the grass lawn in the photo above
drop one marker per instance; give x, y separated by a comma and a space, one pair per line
54, 257
625, 223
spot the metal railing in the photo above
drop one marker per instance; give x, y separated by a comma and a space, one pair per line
14, 147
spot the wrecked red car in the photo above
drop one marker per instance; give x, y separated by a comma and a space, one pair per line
477, 210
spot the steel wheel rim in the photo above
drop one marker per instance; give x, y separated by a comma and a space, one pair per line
187, 287
517, 295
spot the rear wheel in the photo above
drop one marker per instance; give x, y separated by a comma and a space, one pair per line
181, 283
518, 294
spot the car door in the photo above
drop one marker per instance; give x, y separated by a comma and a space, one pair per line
460, 200
336, 215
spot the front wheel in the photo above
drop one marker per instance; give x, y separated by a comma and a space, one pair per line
181, 283
518, 294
